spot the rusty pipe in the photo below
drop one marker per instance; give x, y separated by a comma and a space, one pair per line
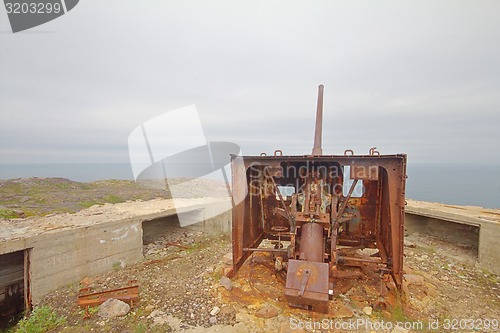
317, 150
312, 242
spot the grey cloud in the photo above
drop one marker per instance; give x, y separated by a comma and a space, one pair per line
416, 77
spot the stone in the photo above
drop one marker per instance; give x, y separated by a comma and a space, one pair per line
228, 259
156, 313
227, 310
368, 310
213, 320
113, 308
226, 283
267, 311
415, 279
215, 311
409, 244
86, 281
161, 320
339, 310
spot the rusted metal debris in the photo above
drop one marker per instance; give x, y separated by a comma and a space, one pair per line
129, 294
322, 216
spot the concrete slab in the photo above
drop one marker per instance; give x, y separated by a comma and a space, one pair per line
487, 220
64, 248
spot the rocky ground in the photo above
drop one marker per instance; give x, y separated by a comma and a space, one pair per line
182, 289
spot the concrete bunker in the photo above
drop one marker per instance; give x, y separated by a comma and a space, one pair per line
465, 236
152, 229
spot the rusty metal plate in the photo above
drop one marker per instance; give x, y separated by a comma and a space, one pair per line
311, 291
317, 282
364, 172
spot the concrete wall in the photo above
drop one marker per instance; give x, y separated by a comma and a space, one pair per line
489, 246
61, 257
481, 235
462, 234
58, 259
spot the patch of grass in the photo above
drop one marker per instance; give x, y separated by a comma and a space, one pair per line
197, 246
8, 214
110, 198
92, 310
140, 328
398, 314
429, 250
41, 320
117, 265
89, 203
217, 274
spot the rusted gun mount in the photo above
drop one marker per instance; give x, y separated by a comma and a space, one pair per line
319, 206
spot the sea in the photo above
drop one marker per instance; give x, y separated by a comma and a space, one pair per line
453, 184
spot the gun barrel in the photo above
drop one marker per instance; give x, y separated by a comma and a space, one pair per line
317, 150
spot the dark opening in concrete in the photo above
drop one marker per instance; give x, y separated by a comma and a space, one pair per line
12, 287
155, 229
465, 236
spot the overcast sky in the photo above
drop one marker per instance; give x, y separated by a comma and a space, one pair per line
415, 77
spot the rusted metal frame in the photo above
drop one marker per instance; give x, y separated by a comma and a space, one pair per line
354, 242
258, 249
378, 220
261, 204
333, 233
400, 206
130, 293
385, 217
303, 217
344, 206
241, 222
373, 261
237, 265
378, 209
27, 281
397, 227
285, 236
112, 291
290, 218
341, 159
381, 249
238, 215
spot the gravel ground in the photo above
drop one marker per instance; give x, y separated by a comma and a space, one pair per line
179, 288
